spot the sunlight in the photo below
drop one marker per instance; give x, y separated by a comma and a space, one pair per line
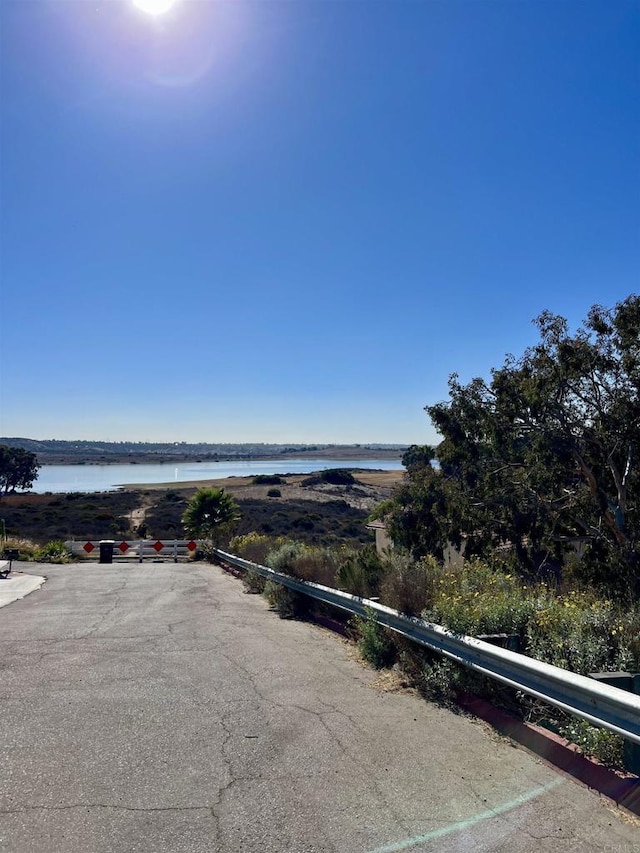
154, 7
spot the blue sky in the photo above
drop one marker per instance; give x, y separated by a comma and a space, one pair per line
291, 221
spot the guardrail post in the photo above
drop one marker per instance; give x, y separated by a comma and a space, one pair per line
505, 641
631, 683
631, 757
631, 751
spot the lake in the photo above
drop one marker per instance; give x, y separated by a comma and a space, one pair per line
103, 478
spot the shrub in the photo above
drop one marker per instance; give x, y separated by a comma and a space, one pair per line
360, 572
440, 680
601, 744
60, 518
287, 603
305, 562
253, 546
268, 480
478, 599
26, 549
274, 493
373, 642
283, 558
407, 585
625, 633
53, 552
253, 583
334, 477
314, 522
575, 631
205, 552
305, 522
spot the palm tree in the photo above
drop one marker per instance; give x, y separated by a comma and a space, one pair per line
210, 514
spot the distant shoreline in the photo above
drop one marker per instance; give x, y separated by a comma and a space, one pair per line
245, 486
346, 452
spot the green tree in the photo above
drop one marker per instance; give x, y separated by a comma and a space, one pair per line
541, 457
418, 457
211, 514
18, 469
416, 517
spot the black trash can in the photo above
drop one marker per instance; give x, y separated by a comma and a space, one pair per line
106, 551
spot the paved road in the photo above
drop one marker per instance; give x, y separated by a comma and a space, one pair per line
158, 708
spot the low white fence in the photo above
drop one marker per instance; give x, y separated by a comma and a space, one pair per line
614, 709
135, 549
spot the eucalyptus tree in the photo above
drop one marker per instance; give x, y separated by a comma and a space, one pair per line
542, 456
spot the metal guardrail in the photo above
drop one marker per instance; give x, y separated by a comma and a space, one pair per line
600, 704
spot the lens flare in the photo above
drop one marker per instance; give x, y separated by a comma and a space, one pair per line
154, 7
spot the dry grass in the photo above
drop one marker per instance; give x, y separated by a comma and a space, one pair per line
18, 499
393, 681
375, 486
381, 479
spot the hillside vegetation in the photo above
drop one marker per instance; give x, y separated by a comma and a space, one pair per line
55, 451
319, 513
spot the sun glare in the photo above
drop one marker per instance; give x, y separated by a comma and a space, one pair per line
154, 7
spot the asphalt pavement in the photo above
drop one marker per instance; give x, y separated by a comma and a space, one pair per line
158, 707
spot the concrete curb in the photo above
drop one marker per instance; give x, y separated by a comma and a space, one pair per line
624, 790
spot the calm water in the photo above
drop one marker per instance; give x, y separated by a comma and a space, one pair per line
101, 478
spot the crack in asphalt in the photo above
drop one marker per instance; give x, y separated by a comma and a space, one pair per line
558, 834
117, 603
320, 716
31, 808
229, 769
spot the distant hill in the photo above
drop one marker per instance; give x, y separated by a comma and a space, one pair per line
57, 451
